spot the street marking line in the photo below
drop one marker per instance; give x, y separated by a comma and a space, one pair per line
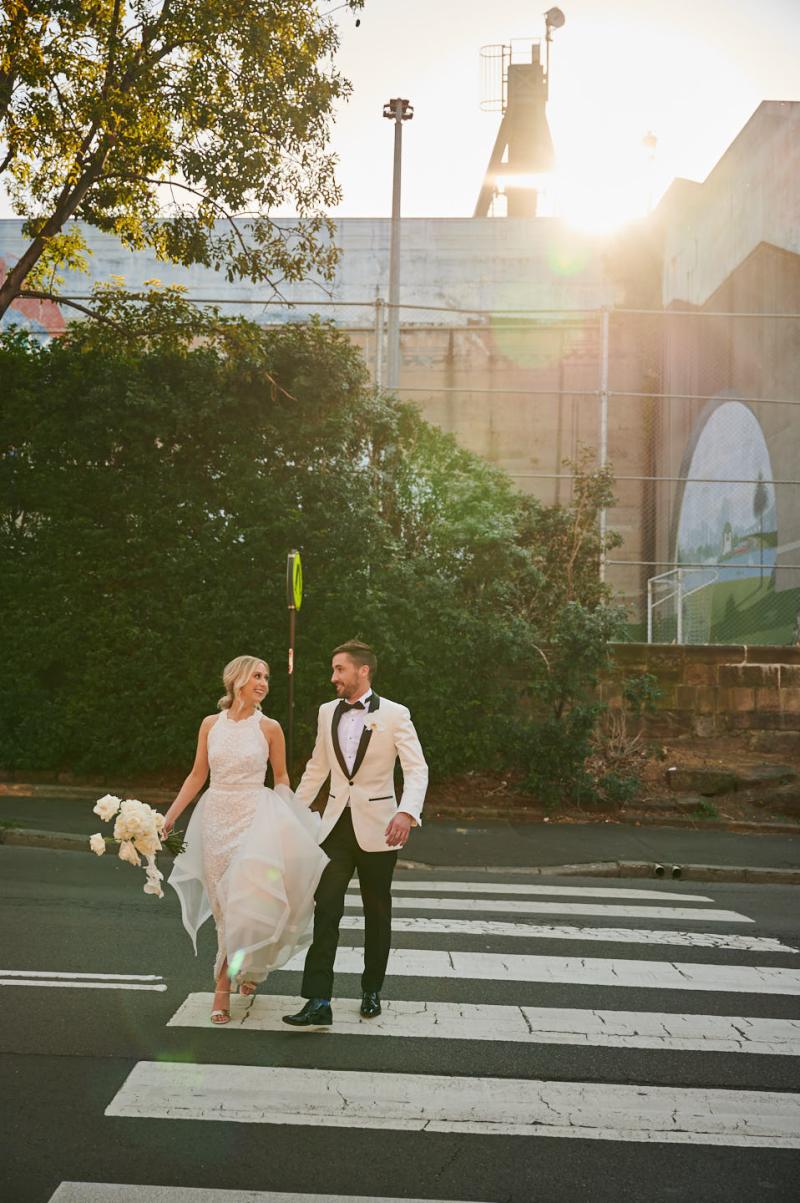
65, 985
483, 1106
115, 977
571, 971
108, 1192
513, 906
490, 887
523, 1025
611, 935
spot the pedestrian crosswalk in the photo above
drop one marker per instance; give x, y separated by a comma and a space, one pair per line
473, 978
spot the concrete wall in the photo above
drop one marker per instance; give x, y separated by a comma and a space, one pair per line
459, 263
732, 245
750, 197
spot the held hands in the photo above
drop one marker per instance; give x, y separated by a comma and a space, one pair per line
397, 831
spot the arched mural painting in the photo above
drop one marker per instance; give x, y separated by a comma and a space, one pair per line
728, 532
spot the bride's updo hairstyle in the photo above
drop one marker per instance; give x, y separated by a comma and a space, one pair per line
235, 675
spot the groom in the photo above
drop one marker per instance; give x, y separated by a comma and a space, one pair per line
359, 739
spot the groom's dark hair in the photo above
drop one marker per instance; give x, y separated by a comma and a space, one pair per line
360, 653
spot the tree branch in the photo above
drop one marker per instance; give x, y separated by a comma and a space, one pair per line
28, 294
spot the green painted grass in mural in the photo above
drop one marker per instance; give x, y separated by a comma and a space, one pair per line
751, 611
748, 610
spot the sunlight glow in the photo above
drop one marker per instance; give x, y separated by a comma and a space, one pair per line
592, 197
596, 204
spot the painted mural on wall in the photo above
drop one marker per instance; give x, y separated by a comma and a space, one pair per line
728, 536
734, 525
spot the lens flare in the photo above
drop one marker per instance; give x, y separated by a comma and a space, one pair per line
235, 963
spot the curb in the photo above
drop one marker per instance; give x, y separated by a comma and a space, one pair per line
626, 868
64, 841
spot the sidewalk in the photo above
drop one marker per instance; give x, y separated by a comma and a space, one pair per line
599, 848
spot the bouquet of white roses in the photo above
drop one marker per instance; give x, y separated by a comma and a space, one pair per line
138, 830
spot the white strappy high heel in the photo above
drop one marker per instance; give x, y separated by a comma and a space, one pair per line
221, 1015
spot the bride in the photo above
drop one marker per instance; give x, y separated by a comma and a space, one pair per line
252, 859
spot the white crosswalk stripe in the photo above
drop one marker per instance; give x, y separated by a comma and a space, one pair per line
737, 971
518, 887
42, 978
108, 1192
677, 914
525, 1025
418, 925
480, 1106
573, 971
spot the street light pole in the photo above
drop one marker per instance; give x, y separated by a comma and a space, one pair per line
397, 110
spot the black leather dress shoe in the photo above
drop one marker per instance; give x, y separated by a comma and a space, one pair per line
370, 1004
315, 1014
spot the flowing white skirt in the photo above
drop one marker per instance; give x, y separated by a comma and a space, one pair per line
263, 899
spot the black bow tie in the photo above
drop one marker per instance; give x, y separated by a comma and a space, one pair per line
346, 707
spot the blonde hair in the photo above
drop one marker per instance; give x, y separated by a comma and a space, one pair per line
234, 676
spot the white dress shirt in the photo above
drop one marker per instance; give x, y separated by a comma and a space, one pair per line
351, 728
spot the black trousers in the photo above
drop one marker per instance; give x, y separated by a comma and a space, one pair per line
375, 871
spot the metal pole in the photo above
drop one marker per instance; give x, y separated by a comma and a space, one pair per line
378, 343
680, 606
650, 610
603, 447
397, 110
294, 600
290, 722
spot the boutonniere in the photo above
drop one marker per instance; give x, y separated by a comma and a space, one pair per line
373, 725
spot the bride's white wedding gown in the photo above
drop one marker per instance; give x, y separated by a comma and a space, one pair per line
252, 859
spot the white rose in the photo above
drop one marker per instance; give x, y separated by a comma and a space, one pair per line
134, 819
148, 844
124, 829
106, 807
159, 821
97, 844
154, 878
128, 852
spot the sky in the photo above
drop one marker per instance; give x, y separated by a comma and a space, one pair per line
690, 71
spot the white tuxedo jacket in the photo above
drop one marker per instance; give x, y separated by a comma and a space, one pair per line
369, 788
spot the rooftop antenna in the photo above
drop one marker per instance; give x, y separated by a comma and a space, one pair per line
553, 19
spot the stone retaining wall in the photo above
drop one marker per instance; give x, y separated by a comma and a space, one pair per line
714, 690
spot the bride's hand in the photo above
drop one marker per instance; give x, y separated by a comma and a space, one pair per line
169, 823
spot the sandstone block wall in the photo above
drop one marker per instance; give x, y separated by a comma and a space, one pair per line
716, 690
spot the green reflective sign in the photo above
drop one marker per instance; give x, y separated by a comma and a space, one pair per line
294, 581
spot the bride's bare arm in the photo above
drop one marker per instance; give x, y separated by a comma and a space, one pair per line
196, 779
273, 733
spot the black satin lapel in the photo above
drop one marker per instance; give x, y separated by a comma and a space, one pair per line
366, 735
337, 714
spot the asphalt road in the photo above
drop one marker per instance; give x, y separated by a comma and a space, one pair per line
504, 844
70, 1053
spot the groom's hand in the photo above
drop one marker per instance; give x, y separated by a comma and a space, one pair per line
398, 829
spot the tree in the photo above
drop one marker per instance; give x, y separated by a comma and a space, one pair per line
155, 468
160, 121
760, 503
